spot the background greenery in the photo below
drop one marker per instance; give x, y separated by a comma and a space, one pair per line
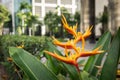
34, 45
54, 25
99, 67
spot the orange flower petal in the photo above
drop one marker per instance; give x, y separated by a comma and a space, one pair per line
61, 44
90, 53
68, 28
85, 35
61, 58
87, 32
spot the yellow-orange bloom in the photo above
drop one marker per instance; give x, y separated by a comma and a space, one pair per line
21, 46
69, 28
71, 57
68, 45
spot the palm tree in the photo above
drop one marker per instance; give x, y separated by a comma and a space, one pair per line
24, 9
22, 18
31, 21
4, 16
25, 6
51, 20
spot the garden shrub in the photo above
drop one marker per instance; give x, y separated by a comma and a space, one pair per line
34, 45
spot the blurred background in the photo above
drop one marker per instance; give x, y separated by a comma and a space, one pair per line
43, 17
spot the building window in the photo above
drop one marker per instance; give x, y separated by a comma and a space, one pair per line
38, 1
38, 11
65, 2
52, 9
51, 1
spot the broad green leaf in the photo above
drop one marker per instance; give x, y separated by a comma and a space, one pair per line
96, 60
72, 71
99, 58
52, 63
81, 62
61, 77
110, 66
33, 68
53, 48
74, 74
86, 76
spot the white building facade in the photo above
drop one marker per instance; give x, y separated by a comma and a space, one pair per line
41, 7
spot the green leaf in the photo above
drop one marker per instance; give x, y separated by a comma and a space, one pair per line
97, 59
100, 57
110, 66
74, 74
53, 48
33, 68
61, 77
86, 76
52, 63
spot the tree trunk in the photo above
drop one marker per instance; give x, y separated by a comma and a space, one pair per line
88, 17
23, 30
29, 31
33, 30
1, 28
92, 19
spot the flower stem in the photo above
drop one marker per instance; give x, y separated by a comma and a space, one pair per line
80, 76
77, 67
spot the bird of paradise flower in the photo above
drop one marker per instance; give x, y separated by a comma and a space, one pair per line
72, 57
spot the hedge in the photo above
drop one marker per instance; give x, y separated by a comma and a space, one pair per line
33, 44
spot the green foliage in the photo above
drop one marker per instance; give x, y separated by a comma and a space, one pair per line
25, 5
104, 41
32, 20
68, 69
109, 69
4, 14
31, 44
23, 14
32, 67
86, 76
26, 18
104, 18
8, 24
53, 22
34, 45
55, 69
77, 18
